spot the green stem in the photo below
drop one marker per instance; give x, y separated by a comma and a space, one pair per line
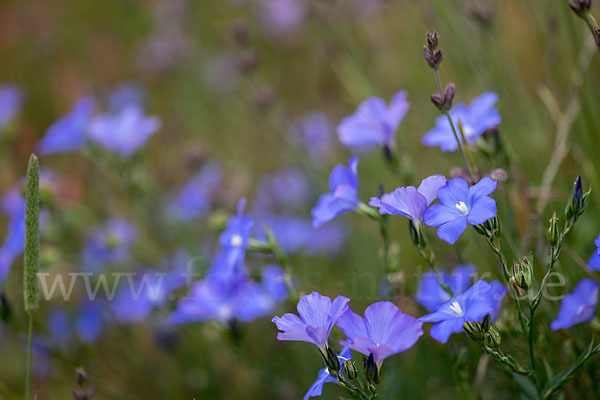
507, 360
429, 257
28, 374
592, 25
461, 147
531, 353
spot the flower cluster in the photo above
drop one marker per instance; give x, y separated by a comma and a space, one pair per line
123, 130
384, 330
227, 292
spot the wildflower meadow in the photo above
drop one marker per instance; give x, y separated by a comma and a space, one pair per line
294, 199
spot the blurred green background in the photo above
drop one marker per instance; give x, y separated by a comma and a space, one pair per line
198, 69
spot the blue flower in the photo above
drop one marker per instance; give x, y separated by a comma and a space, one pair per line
89, 323
577, 307
343, 197
280, 16
374, 123
597, 243
594, 262
315, 133
194, 199
409, 201
459, 205
430, 293
288, 188
11, 101
135, 300
496, 294
109, 245
68, 133
318, 315
215, 298
59, 326
229, 262
384, 331
274, 283
470, 306
14, 242
13, 206
126, 94
325, 377
124, 132
479, 116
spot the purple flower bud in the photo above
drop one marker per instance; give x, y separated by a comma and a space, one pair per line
449, 95
437, 100
499, 175
432, 40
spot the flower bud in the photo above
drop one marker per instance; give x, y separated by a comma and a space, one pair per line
578, 202
580, 7
473, 330
371, 370
432, 40
333, 362
247, 61
485, 323
492, 337
437, 100
80, 376
522, 272
597, 36
83, 394
449, 95
240, 33
432, 57
499, 175
553, 230
349, 370
513, 283
417, 235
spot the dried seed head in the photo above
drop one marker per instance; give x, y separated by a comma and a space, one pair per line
80, 376
248, 61
580, 7
481, 12
240, 33
432, 40
449, 95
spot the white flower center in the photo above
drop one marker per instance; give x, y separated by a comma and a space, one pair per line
468, 130
224, 311
457, 309
236, 240
462, 207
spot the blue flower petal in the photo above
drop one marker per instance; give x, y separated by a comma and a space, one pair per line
451, 231
482, 210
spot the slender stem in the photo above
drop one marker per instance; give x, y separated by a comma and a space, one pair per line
592, 25
28, 373
438, 81
507, 360
496, 247
531, 353
385, 239
470, 169
429, 257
